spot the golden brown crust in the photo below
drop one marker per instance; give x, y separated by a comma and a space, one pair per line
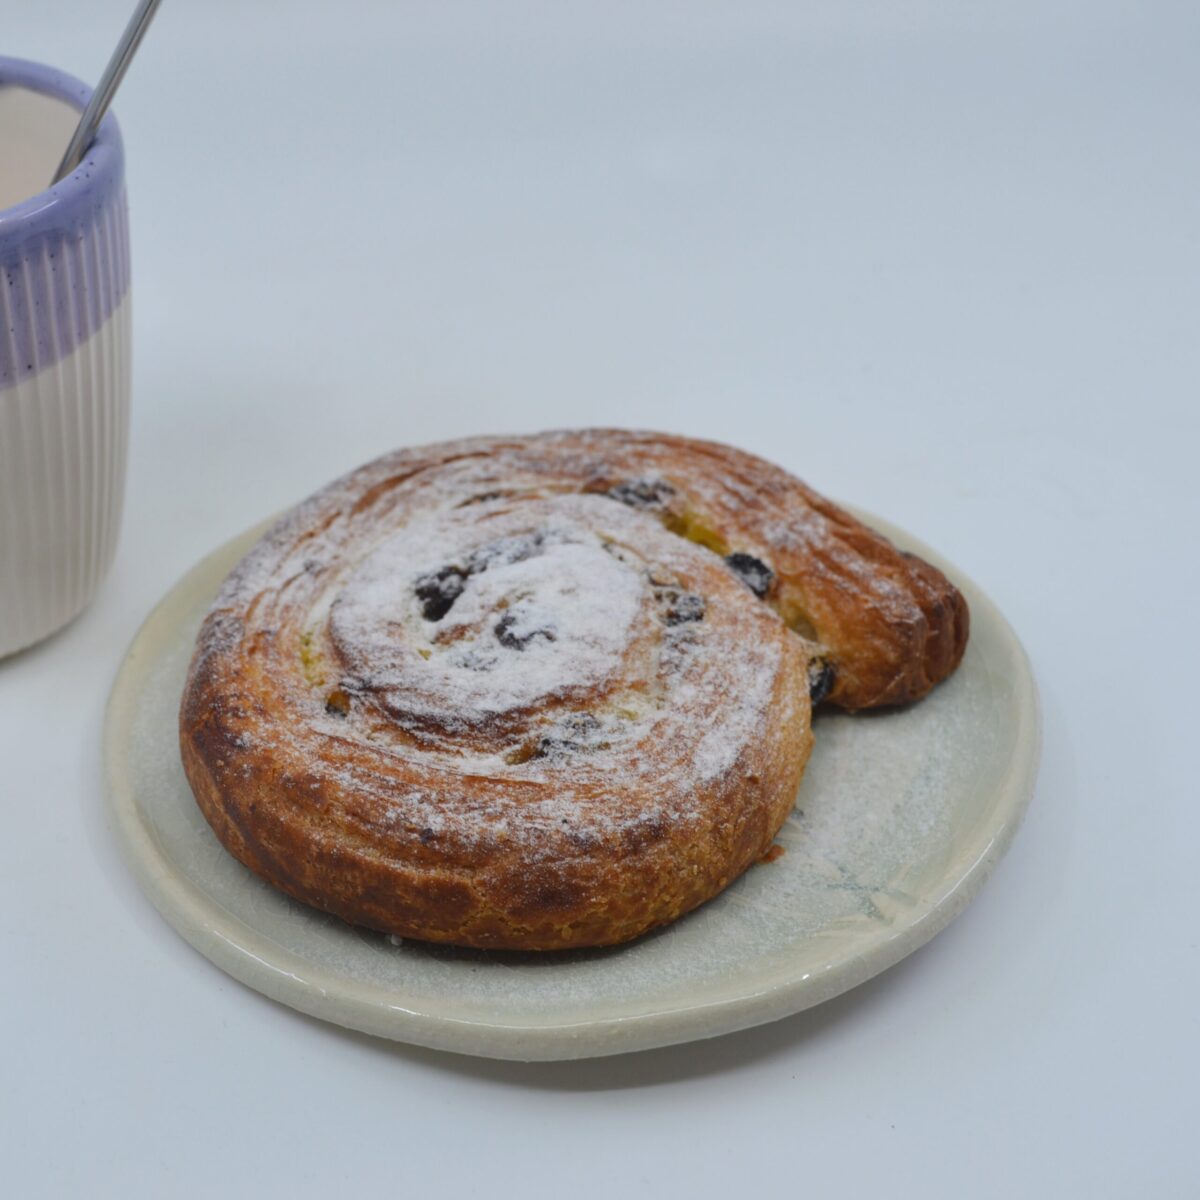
891, 624
485, 693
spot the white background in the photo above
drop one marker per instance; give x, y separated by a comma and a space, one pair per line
940, 259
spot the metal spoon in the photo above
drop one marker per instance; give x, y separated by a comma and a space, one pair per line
85, 131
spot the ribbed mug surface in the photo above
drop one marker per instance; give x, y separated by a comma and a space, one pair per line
64, 379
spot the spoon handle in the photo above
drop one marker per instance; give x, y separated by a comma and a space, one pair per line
81, 139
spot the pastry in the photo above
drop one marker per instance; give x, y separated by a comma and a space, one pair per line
542, 692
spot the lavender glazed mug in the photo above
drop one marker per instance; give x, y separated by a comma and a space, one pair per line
64, 354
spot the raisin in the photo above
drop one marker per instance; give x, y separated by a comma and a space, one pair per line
821, 676
506, 551
575, 732
507, 636
753, 572
437, 592
682, 607
337, 703
476, 660
642, 493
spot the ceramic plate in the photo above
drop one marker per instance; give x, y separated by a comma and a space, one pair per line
899, 820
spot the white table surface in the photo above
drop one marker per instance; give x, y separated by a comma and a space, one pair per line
942, 260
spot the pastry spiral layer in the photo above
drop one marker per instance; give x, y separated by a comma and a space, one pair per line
542, 692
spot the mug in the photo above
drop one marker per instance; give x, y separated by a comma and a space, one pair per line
64, 354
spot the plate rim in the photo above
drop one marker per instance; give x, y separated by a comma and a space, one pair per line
303, 984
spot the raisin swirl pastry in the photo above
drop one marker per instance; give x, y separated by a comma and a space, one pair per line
542, 692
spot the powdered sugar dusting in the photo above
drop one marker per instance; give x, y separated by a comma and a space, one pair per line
524, 627
468, 614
